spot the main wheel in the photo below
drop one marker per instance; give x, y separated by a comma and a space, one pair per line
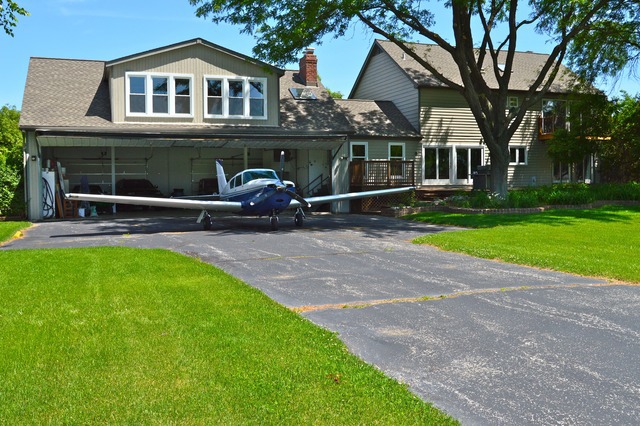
298, 219
206, 222
274, 223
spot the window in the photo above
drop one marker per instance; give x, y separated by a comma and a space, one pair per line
396, 157
518, 155
554, 115
513, 102
235, 97
436, 163
467, 162
137, 95
158, 95
359, 151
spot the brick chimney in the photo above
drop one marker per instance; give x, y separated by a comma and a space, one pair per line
309, 68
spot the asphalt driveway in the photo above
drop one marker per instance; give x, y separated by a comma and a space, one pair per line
487, 342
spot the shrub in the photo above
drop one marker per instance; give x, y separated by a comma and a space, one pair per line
9, 182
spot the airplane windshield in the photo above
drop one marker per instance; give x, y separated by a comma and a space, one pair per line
250, 175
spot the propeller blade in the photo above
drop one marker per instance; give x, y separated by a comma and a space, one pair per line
298, 198
282, 166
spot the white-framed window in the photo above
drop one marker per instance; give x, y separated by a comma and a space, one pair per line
467, 162
235, 97
359, 150
517, 155
436, 163
396, 158
513, 102
158, 95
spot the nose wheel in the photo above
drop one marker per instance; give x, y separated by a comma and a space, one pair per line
298, 218
273, 220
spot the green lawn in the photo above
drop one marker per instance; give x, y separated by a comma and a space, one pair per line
602, 242
9, 229
131, 336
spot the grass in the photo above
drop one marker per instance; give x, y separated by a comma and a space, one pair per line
9, 229
603, 242
132, 336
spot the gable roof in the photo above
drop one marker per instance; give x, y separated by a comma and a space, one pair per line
192, 42
376, 118
526, 67
65, 93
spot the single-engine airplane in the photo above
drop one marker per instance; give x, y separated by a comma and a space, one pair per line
252, 192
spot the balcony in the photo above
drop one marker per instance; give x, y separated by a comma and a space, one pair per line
549, 124
381, 174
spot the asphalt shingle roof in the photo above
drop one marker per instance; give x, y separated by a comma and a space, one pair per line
74, 95
65, 93
376, 118
526, 67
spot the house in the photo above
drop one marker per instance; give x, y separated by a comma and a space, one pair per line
451, 148
166, 114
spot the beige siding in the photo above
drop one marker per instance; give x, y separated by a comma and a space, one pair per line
198, 61
447, 120
383, 80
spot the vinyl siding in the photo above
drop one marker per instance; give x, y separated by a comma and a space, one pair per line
447, 120
383, 80
198, 61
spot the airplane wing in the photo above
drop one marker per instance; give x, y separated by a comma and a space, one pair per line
350, 196
180, 203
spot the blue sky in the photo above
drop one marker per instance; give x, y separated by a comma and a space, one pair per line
106, 30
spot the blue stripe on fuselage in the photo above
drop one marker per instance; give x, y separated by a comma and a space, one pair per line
266, 200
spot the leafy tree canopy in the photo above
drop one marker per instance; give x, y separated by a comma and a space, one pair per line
10, 137
597, 36
9, 11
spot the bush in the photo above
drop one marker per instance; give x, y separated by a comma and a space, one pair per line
563, 194
9, 183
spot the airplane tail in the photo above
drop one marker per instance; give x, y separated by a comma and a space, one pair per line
222, 180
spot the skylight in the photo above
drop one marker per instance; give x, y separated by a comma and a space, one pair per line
303, 94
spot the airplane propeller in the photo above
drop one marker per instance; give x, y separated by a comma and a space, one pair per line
298, 198
292, 194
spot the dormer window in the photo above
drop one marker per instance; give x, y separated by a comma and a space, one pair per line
235, 97
162, 95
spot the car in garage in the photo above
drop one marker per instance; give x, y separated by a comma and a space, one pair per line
137, 188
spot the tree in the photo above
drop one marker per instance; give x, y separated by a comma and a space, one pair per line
286, 26
9, 11
10, 158
620, 154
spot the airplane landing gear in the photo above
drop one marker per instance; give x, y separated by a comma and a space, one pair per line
298, 218
206, 221
273, 219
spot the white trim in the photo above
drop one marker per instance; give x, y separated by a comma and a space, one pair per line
366, 151
439, 180
148, 94
402, 144
246, 99
519, 161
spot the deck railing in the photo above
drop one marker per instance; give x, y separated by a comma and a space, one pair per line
382, 173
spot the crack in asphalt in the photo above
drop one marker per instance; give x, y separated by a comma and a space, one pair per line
369, 303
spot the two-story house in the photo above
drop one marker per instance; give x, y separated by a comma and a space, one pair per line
166, 114
452, 148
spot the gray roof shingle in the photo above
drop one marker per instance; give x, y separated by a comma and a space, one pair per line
377, 118
65, 93
73, 96
526, 67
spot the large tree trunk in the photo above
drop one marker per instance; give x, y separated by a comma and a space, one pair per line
499, 160
499, 170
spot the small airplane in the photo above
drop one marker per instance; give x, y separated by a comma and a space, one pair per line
252, 192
